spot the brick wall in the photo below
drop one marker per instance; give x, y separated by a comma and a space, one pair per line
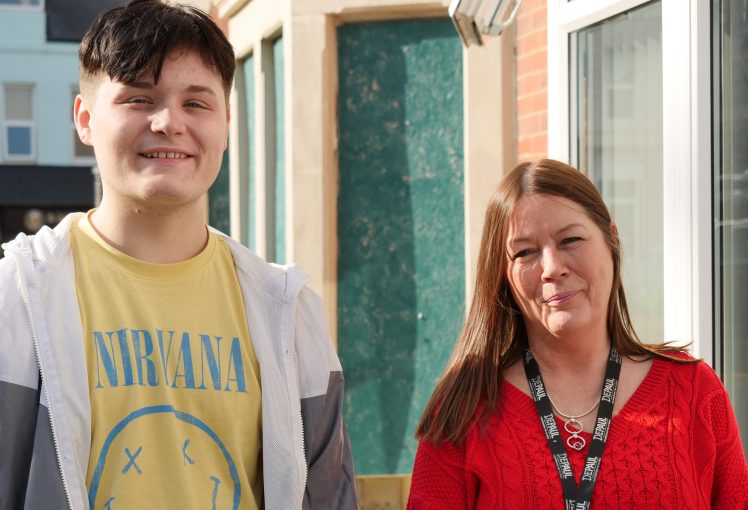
532, 79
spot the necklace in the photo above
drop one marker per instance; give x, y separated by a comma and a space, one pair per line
576, 497
573, 426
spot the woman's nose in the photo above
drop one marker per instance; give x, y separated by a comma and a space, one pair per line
553, 264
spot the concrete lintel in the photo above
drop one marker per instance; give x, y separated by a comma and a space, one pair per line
489, 139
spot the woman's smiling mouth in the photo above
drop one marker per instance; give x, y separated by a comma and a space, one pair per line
561, 298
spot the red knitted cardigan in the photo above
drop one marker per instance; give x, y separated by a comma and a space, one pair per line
675, 444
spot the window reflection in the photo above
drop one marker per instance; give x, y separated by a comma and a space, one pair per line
731, 201
617, 95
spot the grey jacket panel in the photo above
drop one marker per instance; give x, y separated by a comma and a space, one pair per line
18, 416
327, 449
29, 475
45, 490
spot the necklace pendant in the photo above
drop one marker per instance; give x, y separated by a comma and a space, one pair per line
576, 442
574, 427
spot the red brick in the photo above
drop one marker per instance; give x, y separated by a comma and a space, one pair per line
532, 103
533, 41
524, 148
533, 62
532, 83
531, 17
532, 148
533, 124
532, 80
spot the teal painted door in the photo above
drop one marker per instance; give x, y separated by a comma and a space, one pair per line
400, 228
218, 199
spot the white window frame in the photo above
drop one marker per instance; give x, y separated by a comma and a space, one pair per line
687, 146
12, 7
8, 123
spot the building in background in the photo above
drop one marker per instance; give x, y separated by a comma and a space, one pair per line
364, 145
45, 171
365, 141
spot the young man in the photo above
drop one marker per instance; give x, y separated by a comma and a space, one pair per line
147, 361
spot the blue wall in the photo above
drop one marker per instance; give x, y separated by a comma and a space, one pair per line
26, 58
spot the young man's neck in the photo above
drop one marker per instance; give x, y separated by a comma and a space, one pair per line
156, 235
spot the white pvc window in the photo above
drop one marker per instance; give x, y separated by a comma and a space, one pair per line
731, 202
616, 140
19, 142
629, 104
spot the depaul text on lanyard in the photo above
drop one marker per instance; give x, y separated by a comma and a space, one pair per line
576, 498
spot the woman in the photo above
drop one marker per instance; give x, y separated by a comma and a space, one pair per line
549, 384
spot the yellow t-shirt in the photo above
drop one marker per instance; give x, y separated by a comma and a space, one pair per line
174, 382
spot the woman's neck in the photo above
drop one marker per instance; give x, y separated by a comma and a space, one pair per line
569, 354
573, 369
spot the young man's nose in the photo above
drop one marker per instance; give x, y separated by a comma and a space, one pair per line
168, 120
553, 264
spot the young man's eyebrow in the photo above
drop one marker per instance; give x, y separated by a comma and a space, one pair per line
200, 88
140, 85
193, 89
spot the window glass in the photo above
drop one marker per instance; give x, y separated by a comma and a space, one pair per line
731, 202
616, 112
19, 141
280, 168
18, 102
249, 98
18, 126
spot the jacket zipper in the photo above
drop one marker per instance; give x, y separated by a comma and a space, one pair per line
294, 367
30, 317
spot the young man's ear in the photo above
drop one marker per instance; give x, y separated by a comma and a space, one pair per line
82, 118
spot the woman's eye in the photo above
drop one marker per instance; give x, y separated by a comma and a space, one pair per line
571, 240
522, 254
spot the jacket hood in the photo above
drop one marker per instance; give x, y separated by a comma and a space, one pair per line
281, 282
48, 245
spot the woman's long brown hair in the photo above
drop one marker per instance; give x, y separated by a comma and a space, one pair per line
493, 336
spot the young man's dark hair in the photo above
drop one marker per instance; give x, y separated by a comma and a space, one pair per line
146, 360
127, 41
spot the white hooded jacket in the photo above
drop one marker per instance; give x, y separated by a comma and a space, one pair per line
45, 418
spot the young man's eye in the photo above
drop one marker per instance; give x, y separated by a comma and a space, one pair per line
195, 104
138, 100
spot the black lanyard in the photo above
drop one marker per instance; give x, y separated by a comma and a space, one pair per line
576, 498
